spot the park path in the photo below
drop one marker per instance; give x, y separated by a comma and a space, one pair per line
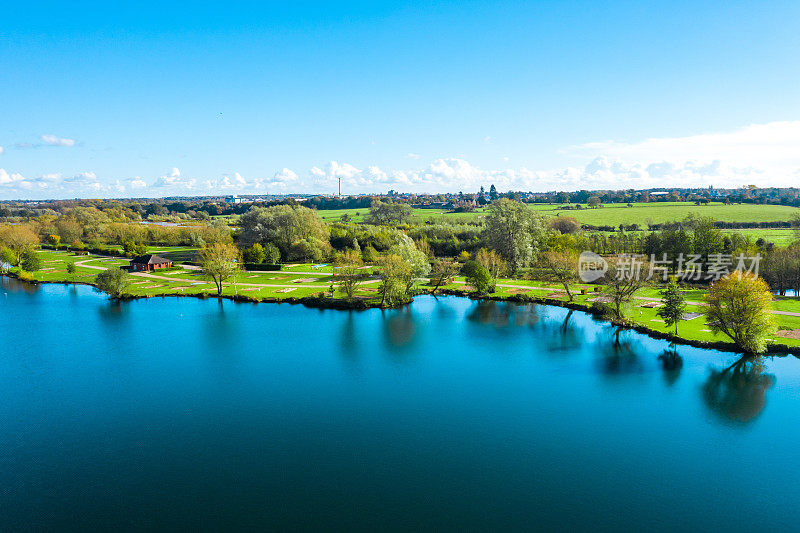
238, 284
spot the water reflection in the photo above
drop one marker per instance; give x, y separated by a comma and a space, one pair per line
671, 364
399, 328
12, 285
618, 355
503, 314
566, 337
738, 393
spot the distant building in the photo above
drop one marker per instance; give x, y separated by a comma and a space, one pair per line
234, 199
149, 262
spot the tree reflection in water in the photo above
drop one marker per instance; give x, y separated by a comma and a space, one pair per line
399, 327
738, 393
566, 338
503, 314
618, 357
671, 364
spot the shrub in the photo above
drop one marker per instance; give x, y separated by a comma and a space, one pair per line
478, 277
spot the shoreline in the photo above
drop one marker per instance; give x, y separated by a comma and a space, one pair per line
324, 302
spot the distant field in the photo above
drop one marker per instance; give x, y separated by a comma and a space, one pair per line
612, 214
656, 213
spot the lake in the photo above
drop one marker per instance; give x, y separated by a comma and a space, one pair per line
448, 414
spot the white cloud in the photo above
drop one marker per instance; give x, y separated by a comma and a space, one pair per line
1, 150
53, 140
174, 180
137, 183
412, 155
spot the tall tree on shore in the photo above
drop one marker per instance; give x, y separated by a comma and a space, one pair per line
515, 231
739, 306
493, 193
563, 266
112, 281
674, 305
443, 272
219, 261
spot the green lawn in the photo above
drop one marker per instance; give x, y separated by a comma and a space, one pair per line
656, 213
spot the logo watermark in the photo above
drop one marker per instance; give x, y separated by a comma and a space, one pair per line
591, 267
687, 267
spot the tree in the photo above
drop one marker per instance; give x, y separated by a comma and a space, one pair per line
492, 262
563, 266
515, 231
272, 255
706, 238
739, 306
625, 276
31, 262
393, 272
388, 213
493, 193
18, 239
417, 262
112, 281
674, 305
134, 249
71, 269
443, 272
53, 240
347, 272
565, 225
478, 277
220, 262
284, 226
254, 254
593, 202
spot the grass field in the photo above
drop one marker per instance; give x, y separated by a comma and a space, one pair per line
612, 214
657, 213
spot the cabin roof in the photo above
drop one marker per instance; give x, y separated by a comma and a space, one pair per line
149, 259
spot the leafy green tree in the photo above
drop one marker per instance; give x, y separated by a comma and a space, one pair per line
739, 306
348, 273
387, 213
593, 202
418, 264
442, 273
492, 262
18, 238
71, 269
254, 254
393, 273
706, 238
674, 305
623, 278
515, 231
285, 226
53, 240
493, 193
563, 267
219, 261
134, 249
478, 277
271, 254
112, 281
31, 262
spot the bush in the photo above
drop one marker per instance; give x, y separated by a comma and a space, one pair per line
112, 281
254, 254
31, 261
478, 277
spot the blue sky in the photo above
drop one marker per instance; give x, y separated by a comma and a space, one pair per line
212, 98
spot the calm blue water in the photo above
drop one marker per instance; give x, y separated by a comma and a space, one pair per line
449, 414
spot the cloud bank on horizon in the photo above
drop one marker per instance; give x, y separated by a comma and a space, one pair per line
761, 154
